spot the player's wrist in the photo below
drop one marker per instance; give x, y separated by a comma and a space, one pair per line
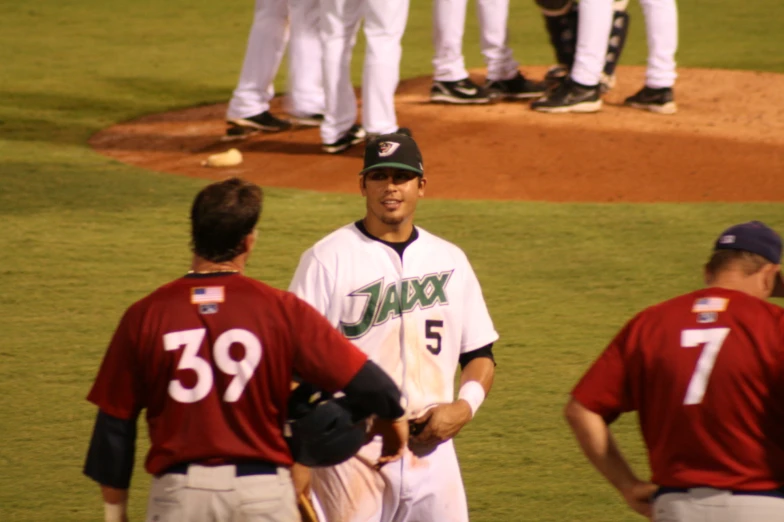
473, 394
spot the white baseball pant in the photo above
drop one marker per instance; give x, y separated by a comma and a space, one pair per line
413, 489
266, 43
384, 24
448, 28
594, 22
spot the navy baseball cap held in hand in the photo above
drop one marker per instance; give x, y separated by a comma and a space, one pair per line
397, 151
758, 238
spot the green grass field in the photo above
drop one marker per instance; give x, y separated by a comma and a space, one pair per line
83, 237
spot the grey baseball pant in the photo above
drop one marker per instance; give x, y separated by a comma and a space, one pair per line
715, 505
207, 493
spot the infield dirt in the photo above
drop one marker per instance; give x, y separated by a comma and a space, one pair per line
725, 144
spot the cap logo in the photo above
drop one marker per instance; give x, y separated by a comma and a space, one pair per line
727, 240
387, 148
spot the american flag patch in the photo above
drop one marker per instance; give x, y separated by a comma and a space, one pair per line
709, 304
207, 294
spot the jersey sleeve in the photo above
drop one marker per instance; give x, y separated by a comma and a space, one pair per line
322, 355
117, 390
604, 388
312, 282
478, 330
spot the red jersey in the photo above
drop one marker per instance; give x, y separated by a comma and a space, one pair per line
211, 360
705, 372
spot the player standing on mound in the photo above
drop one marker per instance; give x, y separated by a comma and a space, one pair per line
581, 91
451, 83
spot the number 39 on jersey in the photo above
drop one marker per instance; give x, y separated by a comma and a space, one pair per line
191, 340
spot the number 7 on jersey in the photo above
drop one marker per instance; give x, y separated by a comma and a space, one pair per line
712, 338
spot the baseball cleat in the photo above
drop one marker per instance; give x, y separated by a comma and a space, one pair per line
307, 120
461, 92
660, 101
516, 88
236, 133
353, 136
556, 75
570, 96
264, 121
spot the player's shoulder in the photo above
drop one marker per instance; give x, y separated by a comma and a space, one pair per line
159, 294
336, 242
716, 300
223, 285
432, 241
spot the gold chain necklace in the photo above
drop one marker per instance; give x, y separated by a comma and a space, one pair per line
218, 271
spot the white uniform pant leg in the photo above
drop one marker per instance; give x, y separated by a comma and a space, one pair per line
306, 83
385, 23
713, 505
218, 496
339, 21
661, 26
448, 28
493, 15
594, 22
438, 487
266, 43
355, 492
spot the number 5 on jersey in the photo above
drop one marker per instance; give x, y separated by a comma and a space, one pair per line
712, 338
242, 370
433, 331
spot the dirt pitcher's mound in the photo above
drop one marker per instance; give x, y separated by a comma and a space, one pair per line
726, 143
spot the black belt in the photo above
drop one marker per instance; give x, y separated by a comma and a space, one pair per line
778, 493
244, 469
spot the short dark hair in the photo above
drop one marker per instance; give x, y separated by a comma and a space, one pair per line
223, 213
722, 260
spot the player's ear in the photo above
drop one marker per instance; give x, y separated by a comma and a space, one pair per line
769, 278
250, 240
422, 183
362, 187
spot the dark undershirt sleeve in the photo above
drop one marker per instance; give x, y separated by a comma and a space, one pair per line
372, 391
111, 453
485, 351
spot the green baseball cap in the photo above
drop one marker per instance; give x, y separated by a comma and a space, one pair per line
397, 151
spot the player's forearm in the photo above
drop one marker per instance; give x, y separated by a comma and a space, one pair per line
476, 379
481, 370
373, 392
597, 442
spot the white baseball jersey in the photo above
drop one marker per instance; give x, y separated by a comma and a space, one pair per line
414, 317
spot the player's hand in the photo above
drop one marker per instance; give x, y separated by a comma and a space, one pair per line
442, 422
394, 439
638, 497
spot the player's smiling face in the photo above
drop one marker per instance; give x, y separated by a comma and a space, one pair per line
392, 194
